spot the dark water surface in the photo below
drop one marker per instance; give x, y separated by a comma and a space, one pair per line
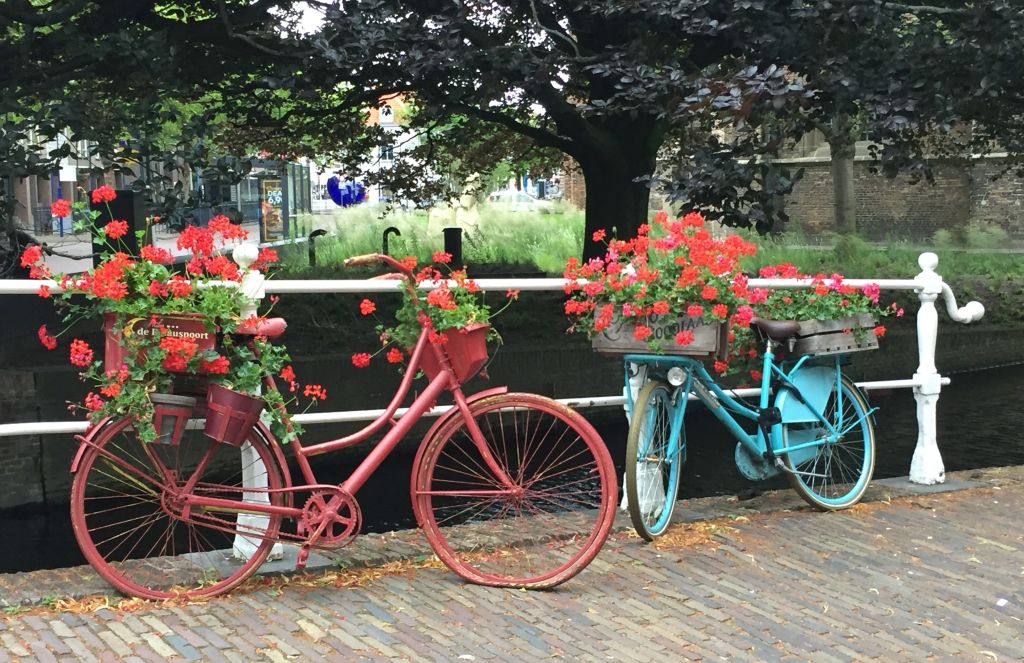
979, 416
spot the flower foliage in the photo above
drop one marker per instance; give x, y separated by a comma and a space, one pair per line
140, 296
440, 302
674, 268
828, 298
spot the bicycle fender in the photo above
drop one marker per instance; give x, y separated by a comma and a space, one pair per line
85, 441
279, 456
441, 421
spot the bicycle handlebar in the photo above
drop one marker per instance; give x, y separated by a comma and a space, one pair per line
371, 258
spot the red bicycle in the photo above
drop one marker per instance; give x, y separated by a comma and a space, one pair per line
511, 489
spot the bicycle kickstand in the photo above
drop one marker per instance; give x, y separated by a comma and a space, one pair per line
785, 468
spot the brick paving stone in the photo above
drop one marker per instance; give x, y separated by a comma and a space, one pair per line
867, 584
117, 645
41, 653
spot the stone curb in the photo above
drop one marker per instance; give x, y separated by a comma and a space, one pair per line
373, 550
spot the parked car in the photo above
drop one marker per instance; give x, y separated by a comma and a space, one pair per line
518, 201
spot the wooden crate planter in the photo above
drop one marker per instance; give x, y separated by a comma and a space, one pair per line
839, 336
709, 339
115, 328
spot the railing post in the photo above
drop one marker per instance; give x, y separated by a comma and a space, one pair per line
926, 466
254, 472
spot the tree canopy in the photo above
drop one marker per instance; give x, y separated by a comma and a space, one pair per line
694, 97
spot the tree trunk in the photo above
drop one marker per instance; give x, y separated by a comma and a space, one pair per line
615, 203
844, 190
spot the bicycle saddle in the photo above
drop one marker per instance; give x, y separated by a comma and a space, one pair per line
777, 330
269, 327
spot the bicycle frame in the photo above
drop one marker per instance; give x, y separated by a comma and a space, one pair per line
444, 380
810, 393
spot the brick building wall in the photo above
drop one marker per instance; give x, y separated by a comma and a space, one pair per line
997, 197
963, 193
574, 188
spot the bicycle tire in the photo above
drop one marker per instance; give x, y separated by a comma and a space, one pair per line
130, 526
650, 502
554, 522
845, 466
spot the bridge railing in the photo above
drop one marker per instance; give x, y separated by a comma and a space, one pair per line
926, 465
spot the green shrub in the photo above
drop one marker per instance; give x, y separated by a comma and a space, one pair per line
944, 239
986, 235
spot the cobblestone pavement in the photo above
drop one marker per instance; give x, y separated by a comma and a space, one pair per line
921, 576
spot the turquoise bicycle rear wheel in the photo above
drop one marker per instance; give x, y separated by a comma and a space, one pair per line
833, 475
653, 460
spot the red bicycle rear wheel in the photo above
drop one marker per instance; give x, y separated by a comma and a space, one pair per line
133, 527
542, 530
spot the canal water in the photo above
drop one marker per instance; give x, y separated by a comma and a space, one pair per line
979, 417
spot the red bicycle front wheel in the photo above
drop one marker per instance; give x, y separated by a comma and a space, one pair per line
134, 528
537, 533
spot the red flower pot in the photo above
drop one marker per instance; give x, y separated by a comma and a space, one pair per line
230, 414
466, 349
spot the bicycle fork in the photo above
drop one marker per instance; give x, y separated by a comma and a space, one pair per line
477, 435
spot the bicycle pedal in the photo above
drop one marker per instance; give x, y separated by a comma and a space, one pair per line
301, 558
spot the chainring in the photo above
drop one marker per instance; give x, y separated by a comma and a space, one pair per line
330, 518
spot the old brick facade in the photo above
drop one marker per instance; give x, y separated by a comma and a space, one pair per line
977, 191
888, 208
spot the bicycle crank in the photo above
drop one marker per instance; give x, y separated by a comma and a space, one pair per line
330, 518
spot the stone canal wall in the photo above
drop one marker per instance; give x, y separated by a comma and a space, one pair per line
34, 469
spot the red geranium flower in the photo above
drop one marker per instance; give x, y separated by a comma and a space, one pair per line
116, 229
360, 360
641, 332
156, 254
218, 366
81, 353
366, 307
60, 207
93, 402
265, 258
394, 356
222, 224
684, 337
103, 194
288, 373
442, 257
179, 286
31, 255
315, 391
48, 340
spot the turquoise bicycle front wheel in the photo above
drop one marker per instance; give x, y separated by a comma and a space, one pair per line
653, 460
833, 475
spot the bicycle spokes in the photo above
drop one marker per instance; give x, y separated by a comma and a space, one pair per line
134, 529
538, 527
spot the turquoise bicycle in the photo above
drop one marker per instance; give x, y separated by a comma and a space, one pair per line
812, 423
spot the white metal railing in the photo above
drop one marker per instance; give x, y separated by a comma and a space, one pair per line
926, 466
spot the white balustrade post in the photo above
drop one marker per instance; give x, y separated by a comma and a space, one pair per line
926, 466
254, 472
